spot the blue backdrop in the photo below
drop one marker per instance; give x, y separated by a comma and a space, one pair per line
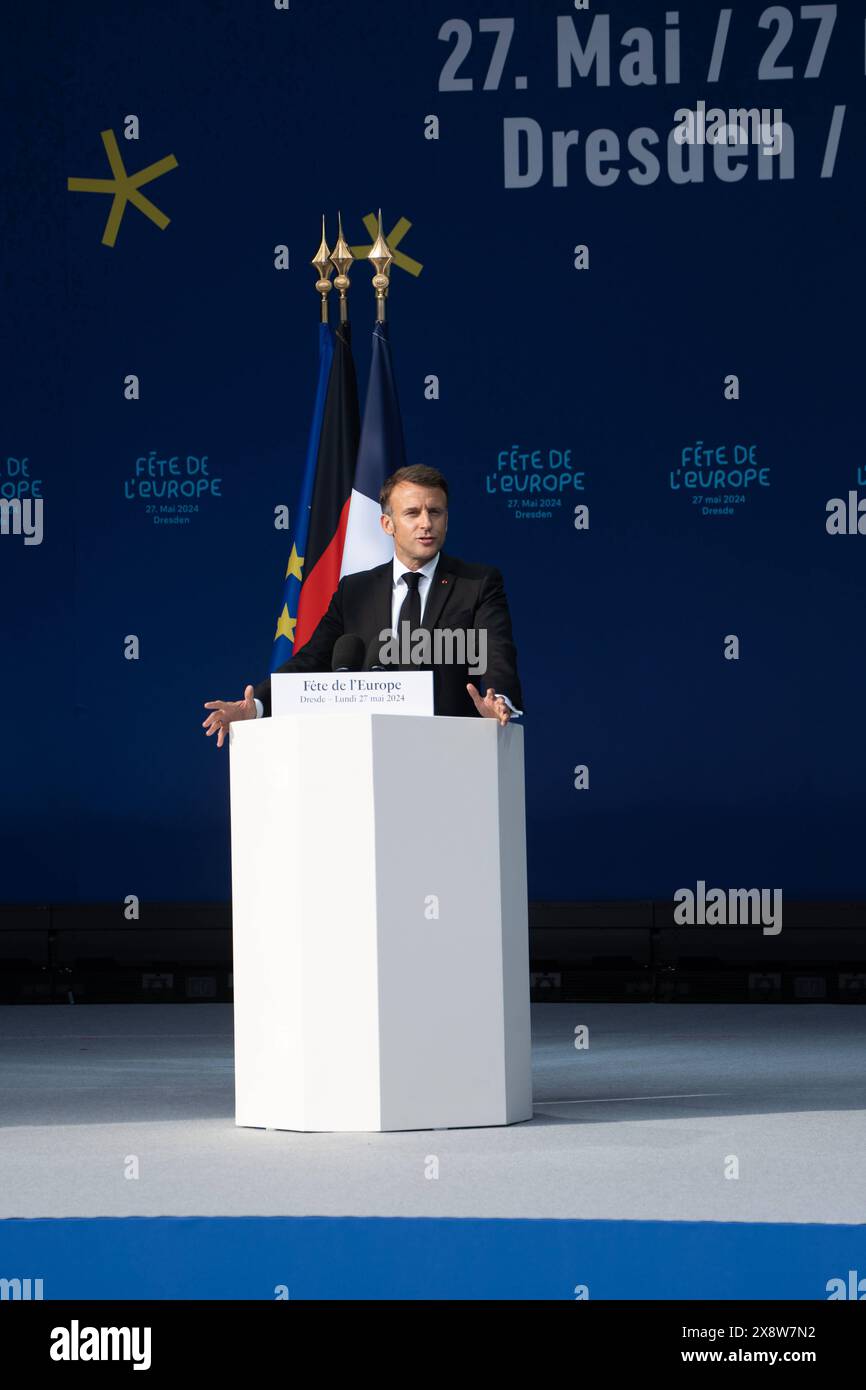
596, 372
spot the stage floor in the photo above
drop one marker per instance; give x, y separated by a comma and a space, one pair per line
642, 1125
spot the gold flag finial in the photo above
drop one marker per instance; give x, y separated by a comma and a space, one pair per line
380, 255
342, 258
322, 262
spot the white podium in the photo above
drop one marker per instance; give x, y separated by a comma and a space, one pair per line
381, 962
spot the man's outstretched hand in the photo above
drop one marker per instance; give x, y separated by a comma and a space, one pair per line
492, 706
224, 711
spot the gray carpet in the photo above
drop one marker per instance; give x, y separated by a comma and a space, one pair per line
639, 1126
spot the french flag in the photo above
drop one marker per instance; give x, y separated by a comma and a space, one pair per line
381, 451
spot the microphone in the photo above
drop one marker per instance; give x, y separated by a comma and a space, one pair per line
372, 660
348, 654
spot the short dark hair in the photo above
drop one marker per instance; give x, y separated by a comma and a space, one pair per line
417, 473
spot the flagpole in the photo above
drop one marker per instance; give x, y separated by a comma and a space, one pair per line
382, 446
322, 262
342, 258
380, 255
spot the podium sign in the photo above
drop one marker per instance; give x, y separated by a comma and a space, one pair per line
351, 692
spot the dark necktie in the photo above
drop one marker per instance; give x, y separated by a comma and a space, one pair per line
411, 610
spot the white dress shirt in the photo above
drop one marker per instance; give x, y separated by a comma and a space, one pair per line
398, 596
399, 589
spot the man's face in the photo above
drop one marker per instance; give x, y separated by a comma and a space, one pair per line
418, 522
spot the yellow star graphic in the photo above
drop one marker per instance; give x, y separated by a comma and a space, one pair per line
295, 563
124, 187
286, 625
394, 237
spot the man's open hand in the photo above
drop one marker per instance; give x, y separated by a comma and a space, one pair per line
224, 711
492, 706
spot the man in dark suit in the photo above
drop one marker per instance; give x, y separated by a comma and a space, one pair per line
420, 585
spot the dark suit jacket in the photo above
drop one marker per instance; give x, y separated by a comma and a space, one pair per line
462, 595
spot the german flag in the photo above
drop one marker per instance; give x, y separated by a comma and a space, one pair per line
332, 491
